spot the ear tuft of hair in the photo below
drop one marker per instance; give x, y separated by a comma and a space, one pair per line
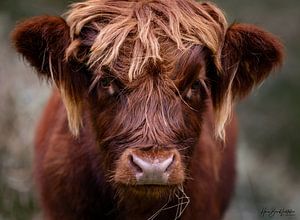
248, 56
43, 41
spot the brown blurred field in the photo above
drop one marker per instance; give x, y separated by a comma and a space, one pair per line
269, 145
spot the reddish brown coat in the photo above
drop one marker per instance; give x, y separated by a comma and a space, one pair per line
178, 105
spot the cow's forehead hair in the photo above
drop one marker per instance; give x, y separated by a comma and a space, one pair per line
135, 33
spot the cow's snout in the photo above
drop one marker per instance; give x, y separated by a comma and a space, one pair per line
150, 167
151, 170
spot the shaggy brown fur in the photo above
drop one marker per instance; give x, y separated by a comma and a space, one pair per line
152, 78
138, 32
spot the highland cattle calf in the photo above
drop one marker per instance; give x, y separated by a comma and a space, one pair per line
138, 126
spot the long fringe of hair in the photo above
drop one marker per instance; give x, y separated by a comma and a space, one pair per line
148, 27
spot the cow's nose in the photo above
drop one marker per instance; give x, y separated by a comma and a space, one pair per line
154, 171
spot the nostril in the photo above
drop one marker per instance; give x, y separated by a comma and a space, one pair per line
166, 164
134, 165
171, 162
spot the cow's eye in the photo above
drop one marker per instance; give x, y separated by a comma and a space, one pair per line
196, 85
106, 82
194, 89
110, 85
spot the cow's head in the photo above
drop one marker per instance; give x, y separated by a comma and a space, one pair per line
145, 71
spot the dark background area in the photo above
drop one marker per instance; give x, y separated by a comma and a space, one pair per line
269, 144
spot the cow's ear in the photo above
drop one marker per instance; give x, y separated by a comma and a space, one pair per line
43, 41
248, 56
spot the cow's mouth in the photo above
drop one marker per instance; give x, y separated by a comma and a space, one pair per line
148, 191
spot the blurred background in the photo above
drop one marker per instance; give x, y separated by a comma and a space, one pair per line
269, 144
